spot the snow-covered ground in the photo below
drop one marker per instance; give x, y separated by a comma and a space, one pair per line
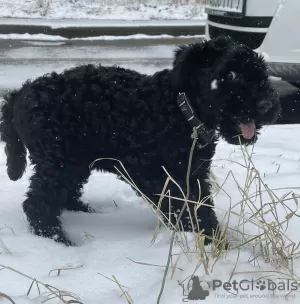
109, 241
103, 9
43, 37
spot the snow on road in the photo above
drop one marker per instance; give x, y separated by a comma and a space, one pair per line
43, 37
103, 23
32, 59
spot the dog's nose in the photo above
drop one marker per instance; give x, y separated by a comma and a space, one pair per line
264, 105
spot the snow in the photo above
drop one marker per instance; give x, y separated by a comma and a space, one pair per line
108, 241
44, 37
65, 23
41, 37
214, 84
103, 9
140, 36
279, 8
32, 59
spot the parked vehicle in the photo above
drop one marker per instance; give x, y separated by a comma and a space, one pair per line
270, 27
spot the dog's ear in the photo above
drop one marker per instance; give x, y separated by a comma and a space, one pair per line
187, 53
220, 44
203, 53
178, 53
190, 59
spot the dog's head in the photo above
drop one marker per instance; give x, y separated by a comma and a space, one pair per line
228, 87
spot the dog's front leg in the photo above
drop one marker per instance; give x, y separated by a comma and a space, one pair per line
193, 213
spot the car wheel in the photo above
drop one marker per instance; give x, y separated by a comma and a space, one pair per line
295, 84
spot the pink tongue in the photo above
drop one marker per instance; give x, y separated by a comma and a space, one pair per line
248, 130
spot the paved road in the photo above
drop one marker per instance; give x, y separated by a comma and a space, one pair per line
22, 60
79, 28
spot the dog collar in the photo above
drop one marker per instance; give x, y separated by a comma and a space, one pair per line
193, 120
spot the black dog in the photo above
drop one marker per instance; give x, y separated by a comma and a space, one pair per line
68, 120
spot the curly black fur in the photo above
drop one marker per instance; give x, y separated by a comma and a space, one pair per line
68, 120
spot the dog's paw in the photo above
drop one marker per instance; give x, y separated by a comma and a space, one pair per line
61, 238
79, 206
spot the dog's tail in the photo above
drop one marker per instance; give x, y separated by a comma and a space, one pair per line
14, 149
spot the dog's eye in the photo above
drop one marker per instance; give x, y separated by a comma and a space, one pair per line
231, 76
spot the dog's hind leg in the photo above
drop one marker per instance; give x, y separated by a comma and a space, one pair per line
46, 198
73, 202
15, 150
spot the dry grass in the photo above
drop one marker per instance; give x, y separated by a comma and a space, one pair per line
3, 247
258, 207
59, 270
5, 296
50, 292
124, 293
44, 5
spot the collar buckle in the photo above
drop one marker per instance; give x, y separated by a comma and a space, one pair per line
192, 119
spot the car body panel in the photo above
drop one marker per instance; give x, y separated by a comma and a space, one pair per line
279, 42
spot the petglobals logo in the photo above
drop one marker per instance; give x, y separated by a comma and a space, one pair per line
194, 290
255, 285
197, 290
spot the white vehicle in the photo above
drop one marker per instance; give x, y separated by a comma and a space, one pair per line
270, 27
